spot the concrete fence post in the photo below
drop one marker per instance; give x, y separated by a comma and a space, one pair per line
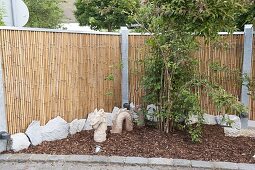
124, 60
3, 116
247, 61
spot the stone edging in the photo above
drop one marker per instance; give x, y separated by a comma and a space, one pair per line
123, 160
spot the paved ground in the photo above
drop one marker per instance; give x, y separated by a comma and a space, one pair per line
82, 166
73, 162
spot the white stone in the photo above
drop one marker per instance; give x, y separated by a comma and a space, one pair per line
132, 106
193, 119
134, 116
231, 132
151, 110
19, 142
34, 132
76, 126
221, 120
209, 119
3, 145
87, 125
55, 129
236, 121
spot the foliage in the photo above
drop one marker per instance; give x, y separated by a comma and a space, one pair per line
105, 14
44, 13
247, 16
111, 76
171, 80
1, 17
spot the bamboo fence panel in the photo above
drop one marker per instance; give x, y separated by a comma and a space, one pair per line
252, 101
228, 52
137, 51
49, 74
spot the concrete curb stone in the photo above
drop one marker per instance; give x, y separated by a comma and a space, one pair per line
243, 166
161, 161
201, 164
79, 158
38, 157
19, 158
117, 159
136, 161
225, 165
130, 161
4, 157
182, 162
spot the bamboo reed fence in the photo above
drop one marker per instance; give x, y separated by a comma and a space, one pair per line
137, 52
49, 74
226, 53
252, 100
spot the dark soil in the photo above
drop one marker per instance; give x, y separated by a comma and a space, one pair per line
149, 142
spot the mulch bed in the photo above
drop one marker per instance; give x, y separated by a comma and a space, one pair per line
149, 142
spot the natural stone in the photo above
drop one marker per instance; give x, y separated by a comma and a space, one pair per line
87, 125
76, 126
236, 122
209, 119
34, 132
55, 129
151, 109
233, 122
231, 132
19, 141
193, 119
3, 145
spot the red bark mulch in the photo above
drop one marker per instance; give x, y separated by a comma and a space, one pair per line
149, 142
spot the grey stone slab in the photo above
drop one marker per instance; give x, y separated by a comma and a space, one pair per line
117, 159
160, 161
39, 157
136, 160
225, 165
182, 162
201, 164
243, 166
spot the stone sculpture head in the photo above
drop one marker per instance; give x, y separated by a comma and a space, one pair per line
97, 117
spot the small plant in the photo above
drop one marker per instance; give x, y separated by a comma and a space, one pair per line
195, 133
111, 78
171, 80
1, 17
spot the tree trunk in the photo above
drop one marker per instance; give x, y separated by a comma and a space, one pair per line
109, 28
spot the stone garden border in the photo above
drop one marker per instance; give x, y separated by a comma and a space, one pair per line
129, 161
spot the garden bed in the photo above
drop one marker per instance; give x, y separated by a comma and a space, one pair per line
149, 142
